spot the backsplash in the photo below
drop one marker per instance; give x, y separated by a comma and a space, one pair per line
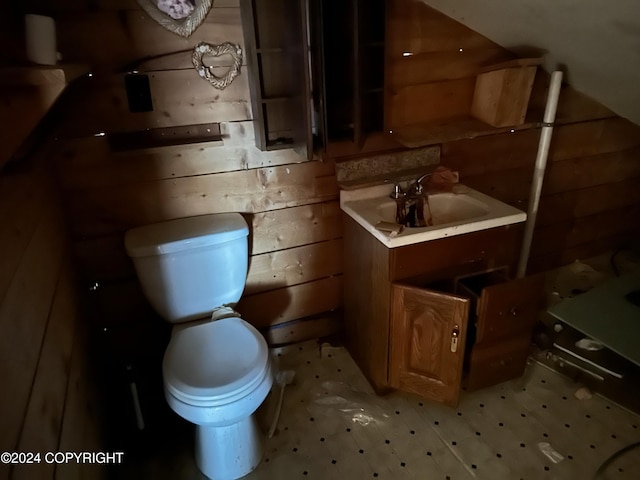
375, 169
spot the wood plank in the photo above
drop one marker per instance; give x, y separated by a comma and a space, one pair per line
491, 153
304, 329
437, 66
593, 170
583, 202
42, 424
20, 204
180, 97
23, 317
415, 27
285, 304
573, 106
104, 258
567, 234
131, 35
22, 107
74, 420
593, 138
429, 102
290, 227
513, 185
293, 266
102, 211
445, 130
88, 163
564, 256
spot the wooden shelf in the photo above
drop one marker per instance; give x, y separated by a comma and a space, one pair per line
421, 135
27, 94
156, 139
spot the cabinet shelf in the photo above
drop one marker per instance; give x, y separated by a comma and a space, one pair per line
270, 50
447, 130
275, 100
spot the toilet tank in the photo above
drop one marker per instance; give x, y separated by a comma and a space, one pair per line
189, 266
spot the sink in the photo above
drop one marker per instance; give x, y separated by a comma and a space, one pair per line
458, 213
445, 208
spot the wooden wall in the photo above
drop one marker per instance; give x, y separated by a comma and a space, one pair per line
290, 204
49, 401
590, 201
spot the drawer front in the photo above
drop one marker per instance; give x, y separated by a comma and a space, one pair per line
457, 255
493, 363
509, 309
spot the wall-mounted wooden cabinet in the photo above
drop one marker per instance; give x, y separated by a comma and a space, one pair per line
425, 317
317, 74
277, 56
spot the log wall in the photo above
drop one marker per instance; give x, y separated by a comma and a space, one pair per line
50, 400
290, 204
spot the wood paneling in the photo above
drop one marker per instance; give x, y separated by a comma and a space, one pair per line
180, 97
291, 205
413, 27
444, 65
39, 318
428, 102
110, 39
590, 197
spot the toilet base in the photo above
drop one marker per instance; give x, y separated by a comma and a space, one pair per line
229, 452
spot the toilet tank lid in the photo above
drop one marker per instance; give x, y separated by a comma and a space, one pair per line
184, 234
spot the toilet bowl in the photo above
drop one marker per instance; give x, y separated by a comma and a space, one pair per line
207, 383
216, 371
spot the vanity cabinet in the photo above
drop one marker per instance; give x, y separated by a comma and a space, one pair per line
431, 317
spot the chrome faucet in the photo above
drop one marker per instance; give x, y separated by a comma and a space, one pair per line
398, 192
399, 196
417, 189
418, 205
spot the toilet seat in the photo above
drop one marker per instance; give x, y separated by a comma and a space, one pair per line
214, 362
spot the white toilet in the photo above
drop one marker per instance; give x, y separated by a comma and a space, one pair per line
216, 369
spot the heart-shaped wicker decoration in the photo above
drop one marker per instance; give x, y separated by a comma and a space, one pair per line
184, 26
204, 49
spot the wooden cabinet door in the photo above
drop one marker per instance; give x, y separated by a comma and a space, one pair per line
427, 342
509, 309
507, 313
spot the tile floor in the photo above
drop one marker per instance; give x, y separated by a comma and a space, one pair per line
333, 426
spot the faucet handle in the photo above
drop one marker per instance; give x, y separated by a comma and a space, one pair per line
398, 192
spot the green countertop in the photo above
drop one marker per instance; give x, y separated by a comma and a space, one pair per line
605, 315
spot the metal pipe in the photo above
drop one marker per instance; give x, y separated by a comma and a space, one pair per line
540, 166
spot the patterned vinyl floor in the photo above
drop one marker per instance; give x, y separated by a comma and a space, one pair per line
333, 427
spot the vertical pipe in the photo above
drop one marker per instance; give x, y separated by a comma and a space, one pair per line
540, 166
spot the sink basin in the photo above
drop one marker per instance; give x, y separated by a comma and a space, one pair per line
453, 213
445, 208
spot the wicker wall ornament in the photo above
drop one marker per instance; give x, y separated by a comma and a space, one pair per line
181, 17
227, 48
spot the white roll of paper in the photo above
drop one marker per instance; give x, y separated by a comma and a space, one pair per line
40, 37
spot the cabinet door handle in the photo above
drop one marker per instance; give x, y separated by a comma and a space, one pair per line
455, 334
513, 311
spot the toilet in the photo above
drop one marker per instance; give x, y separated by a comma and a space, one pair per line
216, 368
